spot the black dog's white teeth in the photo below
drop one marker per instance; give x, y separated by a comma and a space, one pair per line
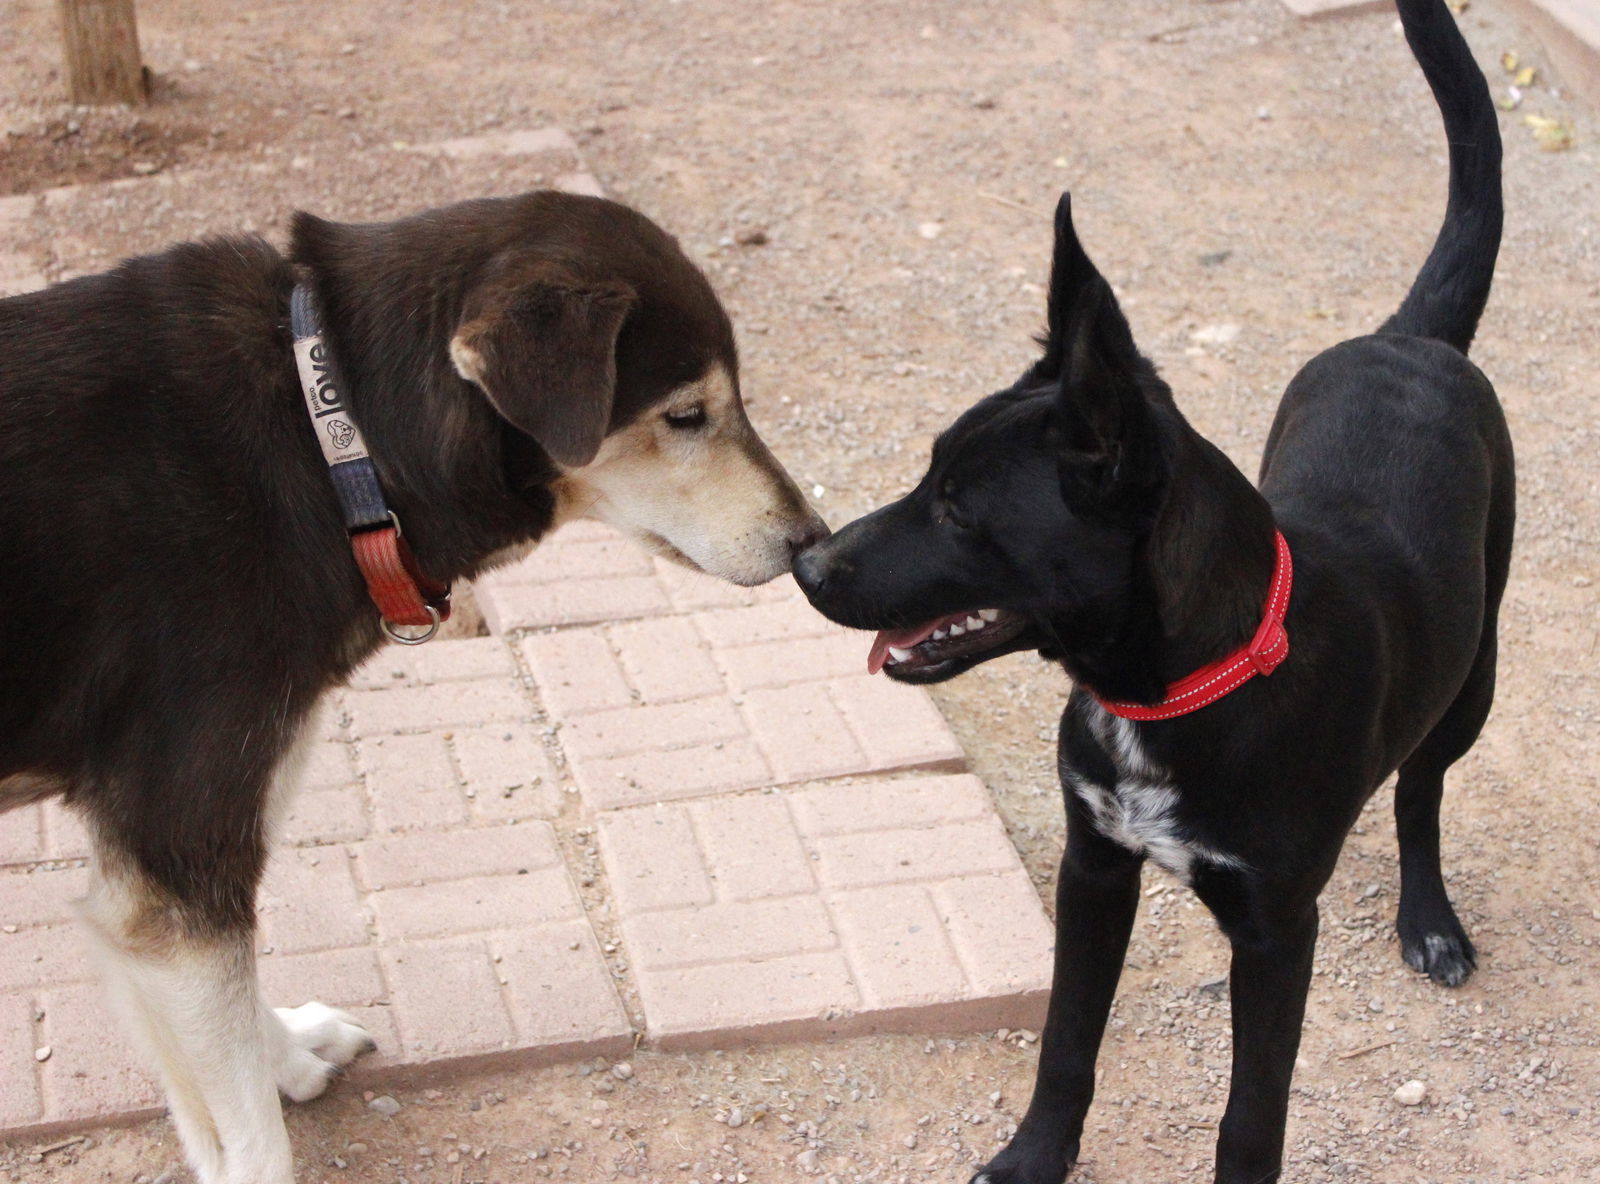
960, 625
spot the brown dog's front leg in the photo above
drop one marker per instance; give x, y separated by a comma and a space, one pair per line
1097, 895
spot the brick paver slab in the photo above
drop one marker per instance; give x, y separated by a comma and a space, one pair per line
587, 574
827, 909
1316, 8
744, 691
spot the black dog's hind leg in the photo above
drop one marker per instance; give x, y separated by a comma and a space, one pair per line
1097, 895
1431, 936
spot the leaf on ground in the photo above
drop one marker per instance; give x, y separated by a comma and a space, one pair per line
1511, 100
1508, 61
1458, 6
1551, 134
1526, 75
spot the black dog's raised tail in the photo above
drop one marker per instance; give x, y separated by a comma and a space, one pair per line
1450, 291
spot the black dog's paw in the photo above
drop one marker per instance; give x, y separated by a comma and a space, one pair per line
1027, 1161
1444, 953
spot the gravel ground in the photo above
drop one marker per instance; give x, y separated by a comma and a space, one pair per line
869, 185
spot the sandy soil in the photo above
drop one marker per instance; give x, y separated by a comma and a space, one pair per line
1257, 188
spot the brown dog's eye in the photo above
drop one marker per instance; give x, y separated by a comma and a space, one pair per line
687, 418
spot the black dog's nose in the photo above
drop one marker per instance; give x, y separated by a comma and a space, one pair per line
811, 569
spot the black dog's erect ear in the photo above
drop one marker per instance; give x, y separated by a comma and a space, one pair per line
542, 346
1103, 420
1071, 273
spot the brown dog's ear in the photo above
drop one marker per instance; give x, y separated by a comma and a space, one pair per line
544, 352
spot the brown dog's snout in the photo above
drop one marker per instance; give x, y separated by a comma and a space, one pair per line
806, 534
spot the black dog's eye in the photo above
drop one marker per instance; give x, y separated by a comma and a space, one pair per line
948, 511
687, 418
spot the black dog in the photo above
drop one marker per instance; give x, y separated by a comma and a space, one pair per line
1078, 514
180, 585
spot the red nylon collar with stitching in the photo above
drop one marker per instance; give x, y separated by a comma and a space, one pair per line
395, 581
1262, 655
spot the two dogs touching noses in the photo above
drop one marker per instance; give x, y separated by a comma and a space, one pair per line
1249, 661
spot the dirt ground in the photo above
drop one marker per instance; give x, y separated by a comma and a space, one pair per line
1257, 188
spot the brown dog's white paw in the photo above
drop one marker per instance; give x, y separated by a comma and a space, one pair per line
321, 1041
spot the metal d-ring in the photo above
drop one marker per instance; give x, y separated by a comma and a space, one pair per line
402, 639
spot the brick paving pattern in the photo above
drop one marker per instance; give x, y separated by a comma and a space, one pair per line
840, 908
648, 803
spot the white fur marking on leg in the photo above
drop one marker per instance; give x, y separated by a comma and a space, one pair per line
193, 1005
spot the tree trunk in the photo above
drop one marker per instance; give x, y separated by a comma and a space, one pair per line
101, 42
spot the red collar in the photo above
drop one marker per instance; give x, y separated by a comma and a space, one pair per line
397, 585
1265, 651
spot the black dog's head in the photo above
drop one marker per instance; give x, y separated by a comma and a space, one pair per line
1031, 527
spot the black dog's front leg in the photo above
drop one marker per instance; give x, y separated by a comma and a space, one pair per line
1097, 896
1268, 980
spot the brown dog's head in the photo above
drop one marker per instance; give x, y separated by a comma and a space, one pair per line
584, 329
613, 353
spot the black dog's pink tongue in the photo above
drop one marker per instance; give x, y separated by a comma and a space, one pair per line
899, 638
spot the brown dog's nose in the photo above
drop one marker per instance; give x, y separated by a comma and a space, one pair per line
806, 535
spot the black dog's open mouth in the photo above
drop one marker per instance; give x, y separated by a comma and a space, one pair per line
946, 639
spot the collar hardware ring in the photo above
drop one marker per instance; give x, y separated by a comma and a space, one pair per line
393, 634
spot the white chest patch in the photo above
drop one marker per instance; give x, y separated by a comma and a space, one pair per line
1140, 811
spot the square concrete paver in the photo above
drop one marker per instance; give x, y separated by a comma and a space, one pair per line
703, 771
726, 699
827, 909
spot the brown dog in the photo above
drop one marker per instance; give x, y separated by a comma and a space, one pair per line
180, 578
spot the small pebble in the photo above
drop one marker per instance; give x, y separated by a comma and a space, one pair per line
1412, 1093
384, 1105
